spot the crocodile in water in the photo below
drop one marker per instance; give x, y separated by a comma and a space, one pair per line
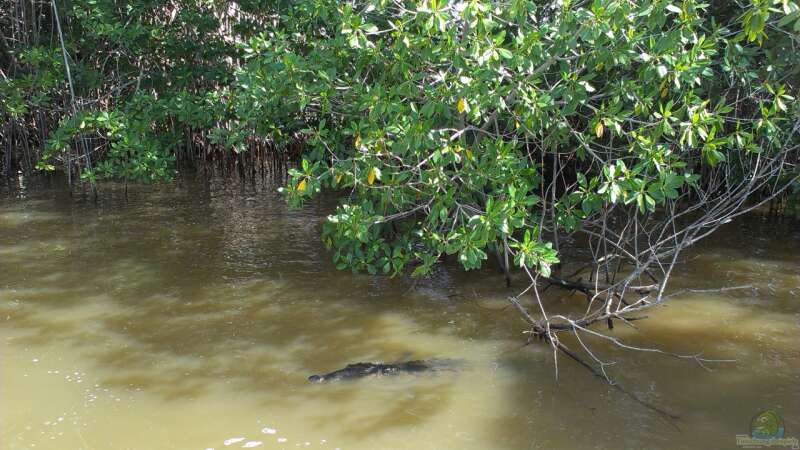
363, 369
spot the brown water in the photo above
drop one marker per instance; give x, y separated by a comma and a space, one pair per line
190, 316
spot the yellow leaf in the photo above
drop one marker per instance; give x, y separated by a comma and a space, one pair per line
358, 141
302, 186
516, 124
462, 105
663, 92
598, 129
469, 154
338, 178
371, 176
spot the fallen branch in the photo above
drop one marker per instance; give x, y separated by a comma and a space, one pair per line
539, 330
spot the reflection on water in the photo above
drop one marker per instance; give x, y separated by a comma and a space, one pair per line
190, 315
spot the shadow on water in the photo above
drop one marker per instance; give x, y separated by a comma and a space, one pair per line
185, 291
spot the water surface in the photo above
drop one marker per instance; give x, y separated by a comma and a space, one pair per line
189, 315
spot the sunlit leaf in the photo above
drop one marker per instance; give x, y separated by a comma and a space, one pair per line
461, 106
598, 129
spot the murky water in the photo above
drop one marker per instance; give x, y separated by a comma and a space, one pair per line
190, 316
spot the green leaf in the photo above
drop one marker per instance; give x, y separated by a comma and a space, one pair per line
505, 54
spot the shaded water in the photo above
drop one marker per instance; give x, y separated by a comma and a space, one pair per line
190, 316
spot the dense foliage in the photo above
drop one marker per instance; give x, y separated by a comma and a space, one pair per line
147, 77
467, 127
452, 127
